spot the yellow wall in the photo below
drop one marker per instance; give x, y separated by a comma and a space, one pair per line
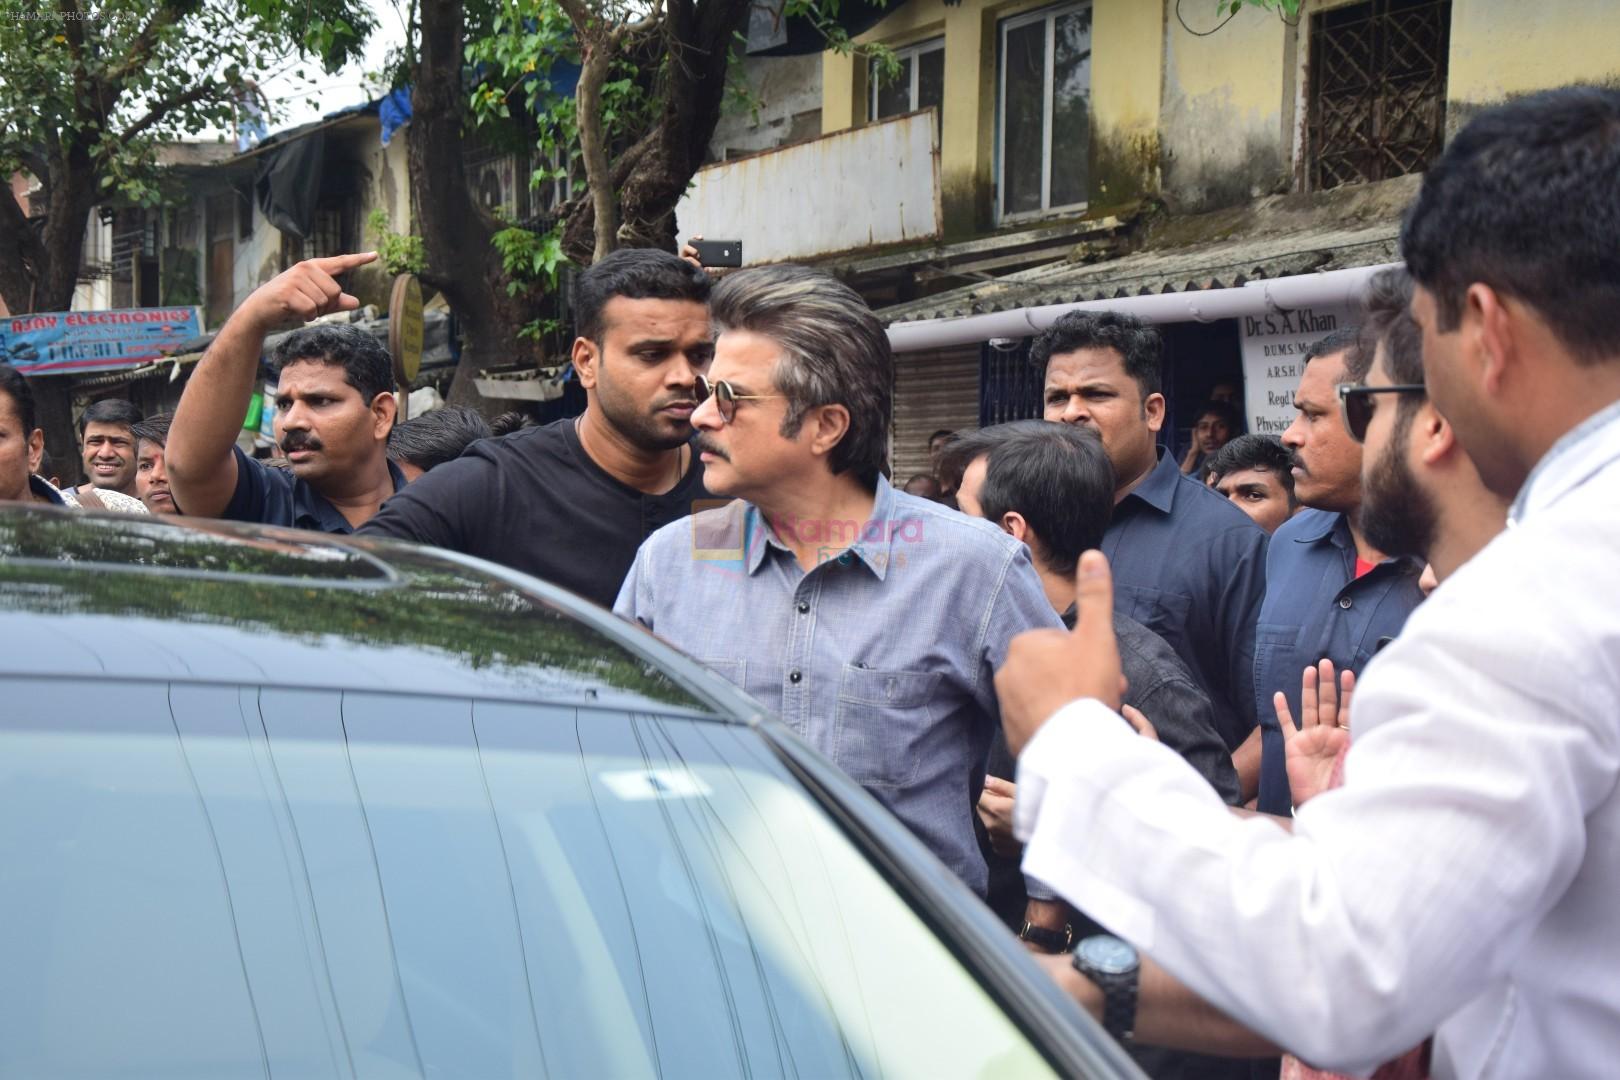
1126, 76
1500, 47
1127, 81
1204, 121
1226, 124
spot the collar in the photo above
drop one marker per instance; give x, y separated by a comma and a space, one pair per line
1573, 460
1158, 487
1325, 525
872, 547
310, 505
45, 490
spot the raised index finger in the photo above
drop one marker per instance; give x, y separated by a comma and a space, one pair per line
337, 264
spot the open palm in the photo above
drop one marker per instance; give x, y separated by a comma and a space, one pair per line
1314, 746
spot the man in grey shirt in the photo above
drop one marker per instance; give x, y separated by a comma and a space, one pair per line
871, 621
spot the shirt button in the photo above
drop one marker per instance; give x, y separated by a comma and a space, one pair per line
795, 675
804, 607
1346, 603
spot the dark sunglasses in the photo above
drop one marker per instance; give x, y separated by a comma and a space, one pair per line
725, 398
1357, 405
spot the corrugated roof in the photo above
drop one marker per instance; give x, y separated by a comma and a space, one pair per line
1215, 265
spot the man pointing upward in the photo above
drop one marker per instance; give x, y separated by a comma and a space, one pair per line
334, 408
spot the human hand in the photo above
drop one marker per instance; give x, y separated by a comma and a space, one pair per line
996, 812
1144, 727
1047, 669
1189, 460
302, 292
689, 251
1312, 749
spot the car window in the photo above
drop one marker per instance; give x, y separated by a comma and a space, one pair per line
220, 881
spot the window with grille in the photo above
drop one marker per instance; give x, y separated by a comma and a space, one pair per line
1377, 90
1010, 384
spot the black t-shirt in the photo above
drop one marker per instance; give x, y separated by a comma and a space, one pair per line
273, 496
536, 502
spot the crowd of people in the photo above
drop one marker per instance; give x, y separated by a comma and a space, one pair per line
1143, 755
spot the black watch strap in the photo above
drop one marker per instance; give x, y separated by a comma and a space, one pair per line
1051, 941
1119, 1006
1119, 990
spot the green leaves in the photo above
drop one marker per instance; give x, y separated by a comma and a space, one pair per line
399, 254
1287, 8
530, 258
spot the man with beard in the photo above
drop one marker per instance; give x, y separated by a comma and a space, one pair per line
1330, 593
1422, 494
569, 502
1460, 881
334, 408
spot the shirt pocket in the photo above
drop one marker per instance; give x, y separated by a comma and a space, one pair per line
1164, 613
882, 719
733, 671
1277, 666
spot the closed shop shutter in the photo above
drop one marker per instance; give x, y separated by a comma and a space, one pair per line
932, 391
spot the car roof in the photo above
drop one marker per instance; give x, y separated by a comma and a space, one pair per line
91, 595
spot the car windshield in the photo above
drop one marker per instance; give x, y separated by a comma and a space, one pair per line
213, 881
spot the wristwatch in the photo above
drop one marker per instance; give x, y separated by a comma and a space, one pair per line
1048, 941
1114, 967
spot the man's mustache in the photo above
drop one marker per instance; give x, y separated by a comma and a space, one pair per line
300, 440
706, 446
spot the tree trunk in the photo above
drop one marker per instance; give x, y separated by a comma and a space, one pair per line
462, 262
650, 177
593, 146
22, 255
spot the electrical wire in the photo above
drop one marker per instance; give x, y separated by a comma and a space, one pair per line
1203, 33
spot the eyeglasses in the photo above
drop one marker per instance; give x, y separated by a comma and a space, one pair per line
725, 398
1356, 405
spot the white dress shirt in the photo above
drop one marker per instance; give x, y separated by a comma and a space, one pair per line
1465, 879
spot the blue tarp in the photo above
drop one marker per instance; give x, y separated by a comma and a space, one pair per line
394, 111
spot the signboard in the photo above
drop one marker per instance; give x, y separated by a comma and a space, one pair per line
72, 342
1274, 348
405, 328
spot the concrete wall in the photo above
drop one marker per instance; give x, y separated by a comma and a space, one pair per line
1127, 89
1500, 48
1226, 128
787, 90
853, 190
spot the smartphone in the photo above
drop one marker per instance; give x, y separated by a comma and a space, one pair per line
719, 252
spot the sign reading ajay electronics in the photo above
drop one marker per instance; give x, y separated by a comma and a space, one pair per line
1274, 348
74, 342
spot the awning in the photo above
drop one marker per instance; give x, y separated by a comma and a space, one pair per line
1328, 289
1206, 266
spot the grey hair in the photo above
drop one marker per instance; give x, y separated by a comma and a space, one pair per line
835, 353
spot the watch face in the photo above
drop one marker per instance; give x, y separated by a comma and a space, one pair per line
1106, 954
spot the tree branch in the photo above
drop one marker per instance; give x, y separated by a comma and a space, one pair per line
140, 49
156, 114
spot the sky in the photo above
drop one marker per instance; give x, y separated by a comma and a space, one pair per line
300, 101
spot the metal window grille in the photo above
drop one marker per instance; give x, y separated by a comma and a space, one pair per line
1377, 104
1009, 384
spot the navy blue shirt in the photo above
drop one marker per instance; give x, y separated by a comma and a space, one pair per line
1191, 567
272, 496
1316, 608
